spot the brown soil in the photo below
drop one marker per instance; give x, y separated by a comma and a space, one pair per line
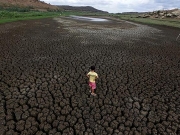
37, 4
44, 89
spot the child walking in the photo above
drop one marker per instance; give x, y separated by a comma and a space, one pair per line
92, 75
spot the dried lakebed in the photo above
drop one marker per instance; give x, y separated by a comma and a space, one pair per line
43, 84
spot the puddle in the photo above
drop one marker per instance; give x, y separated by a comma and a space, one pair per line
88, 18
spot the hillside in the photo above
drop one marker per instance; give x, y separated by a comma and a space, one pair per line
80, 8
36, 4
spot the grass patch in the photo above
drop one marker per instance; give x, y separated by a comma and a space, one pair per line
21, 19
165, 22
17, 14
9, 16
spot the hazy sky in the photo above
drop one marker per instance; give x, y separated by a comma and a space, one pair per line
115, 6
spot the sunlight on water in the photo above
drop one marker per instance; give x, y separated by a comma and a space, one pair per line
89, 19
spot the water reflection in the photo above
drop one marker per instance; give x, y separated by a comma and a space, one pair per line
88, 18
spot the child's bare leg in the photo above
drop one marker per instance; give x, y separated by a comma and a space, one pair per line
93, 92
90, 90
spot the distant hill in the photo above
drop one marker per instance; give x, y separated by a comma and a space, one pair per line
36, 4
80, 8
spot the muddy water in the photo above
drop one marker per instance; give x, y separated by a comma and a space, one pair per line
92, 19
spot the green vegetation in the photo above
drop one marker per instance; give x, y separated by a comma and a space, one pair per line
16, 8
11, 17
12, 14
6, 16
166, 22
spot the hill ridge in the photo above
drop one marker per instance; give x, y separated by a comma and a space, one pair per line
37, 4
80, 8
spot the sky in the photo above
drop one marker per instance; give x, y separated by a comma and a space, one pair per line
119, 6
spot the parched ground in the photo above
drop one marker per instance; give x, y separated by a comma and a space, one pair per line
44, 89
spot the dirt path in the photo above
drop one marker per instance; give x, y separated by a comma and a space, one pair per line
43, 87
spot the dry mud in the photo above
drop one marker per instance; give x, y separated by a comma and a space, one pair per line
43, 84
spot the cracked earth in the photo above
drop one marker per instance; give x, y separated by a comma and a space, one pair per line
44, 89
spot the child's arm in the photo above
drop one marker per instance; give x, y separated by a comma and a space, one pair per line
97, 76
87, 75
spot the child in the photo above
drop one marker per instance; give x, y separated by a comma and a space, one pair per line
92, 75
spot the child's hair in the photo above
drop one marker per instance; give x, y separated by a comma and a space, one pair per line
92, 67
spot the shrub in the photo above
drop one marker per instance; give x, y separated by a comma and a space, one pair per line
4, 14
18, 9
1, 7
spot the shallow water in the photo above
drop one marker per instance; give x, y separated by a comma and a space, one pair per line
89, 19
